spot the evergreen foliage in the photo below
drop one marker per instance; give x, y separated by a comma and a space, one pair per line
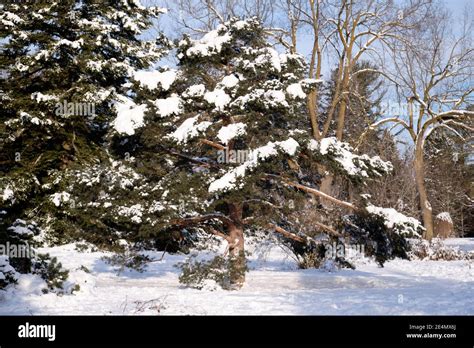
102, 145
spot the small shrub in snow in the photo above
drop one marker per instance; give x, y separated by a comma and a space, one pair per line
208, 274
380, 242
128, 259
306, 255
22, 236
8, 275
54, 274
436, 250
316, 254
310, 259
85, 247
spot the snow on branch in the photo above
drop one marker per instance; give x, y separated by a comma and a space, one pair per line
214, 41
230, 180
354, 165
189, 129
129, 116
397, 221
153, 79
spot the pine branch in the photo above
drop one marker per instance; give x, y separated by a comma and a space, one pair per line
327, 228
200, 219
323, 195
286, 233
317, 193
213, 144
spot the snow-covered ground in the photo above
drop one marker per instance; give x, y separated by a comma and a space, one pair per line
274, 286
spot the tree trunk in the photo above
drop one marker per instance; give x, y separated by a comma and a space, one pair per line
343, 106
238, 264
420, 184
313, 116
341, 119
326, 186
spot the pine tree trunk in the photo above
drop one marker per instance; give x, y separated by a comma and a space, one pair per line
326, 186
420, 184
238, 262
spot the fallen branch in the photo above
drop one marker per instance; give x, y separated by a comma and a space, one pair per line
286, 233
323, 195
213, 144
314, 192
327, 228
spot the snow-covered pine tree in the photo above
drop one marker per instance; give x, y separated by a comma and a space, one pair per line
229, 132
64, 63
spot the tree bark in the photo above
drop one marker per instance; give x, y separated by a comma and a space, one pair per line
238, 262
420, 184
344, 89
326, 187
315, 71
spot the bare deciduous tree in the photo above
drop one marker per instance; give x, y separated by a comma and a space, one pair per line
350, 30
201, 16
432, 71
